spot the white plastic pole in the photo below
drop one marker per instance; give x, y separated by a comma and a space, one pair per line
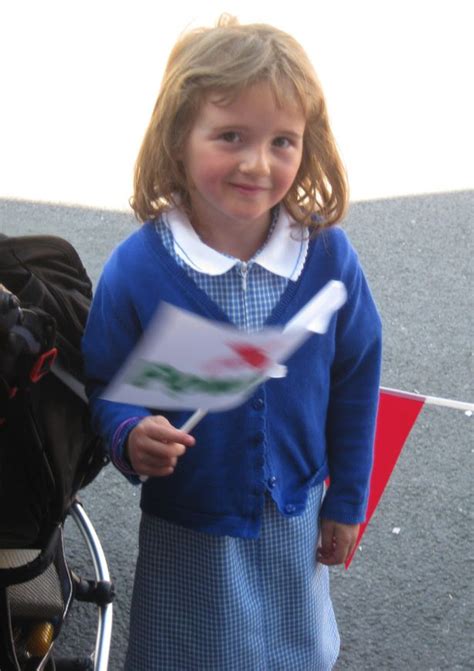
431, 400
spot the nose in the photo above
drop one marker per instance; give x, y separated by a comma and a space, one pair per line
255, 161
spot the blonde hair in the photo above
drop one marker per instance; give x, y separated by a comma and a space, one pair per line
225, 60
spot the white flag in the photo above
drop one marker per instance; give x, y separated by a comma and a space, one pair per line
184, 361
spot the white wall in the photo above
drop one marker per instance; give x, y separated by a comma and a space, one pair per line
79, 79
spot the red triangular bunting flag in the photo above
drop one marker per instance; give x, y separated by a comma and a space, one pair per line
396, 417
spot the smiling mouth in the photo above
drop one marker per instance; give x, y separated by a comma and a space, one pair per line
248, 188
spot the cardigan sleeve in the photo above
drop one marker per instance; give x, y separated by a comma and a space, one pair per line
111, 333
353, 400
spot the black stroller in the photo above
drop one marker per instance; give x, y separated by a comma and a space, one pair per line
47, 453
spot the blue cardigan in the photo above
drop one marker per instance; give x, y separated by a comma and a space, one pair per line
291, 434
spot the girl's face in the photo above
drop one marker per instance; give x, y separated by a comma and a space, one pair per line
241, 158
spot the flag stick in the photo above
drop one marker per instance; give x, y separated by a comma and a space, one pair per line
195, 418
431, 400
188, 425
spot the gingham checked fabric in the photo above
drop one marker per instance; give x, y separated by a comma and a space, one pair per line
247, 293
217, 603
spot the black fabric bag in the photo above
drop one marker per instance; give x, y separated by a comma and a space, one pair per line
47, 448
45, 272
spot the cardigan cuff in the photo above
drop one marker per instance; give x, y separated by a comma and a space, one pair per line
117, 450
333, 508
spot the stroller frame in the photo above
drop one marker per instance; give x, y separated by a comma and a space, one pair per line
98, 591
37, 586
102, 576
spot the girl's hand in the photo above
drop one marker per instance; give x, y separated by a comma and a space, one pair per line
154, 446
337, 542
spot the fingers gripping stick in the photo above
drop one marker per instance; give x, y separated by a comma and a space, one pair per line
188, 426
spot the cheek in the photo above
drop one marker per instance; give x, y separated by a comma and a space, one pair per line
198, 163
287, 174
210, 169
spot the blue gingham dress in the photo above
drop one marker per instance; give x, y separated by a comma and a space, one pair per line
217, 603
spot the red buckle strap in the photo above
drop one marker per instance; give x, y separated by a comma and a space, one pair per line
43, 364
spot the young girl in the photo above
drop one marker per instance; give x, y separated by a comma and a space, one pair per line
239, 185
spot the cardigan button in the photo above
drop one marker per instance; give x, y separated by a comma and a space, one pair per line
272, 482
258, 403
290, 508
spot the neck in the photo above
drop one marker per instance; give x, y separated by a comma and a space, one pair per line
240, 240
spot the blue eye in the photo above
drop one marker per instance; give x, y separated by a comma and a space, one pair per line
230, 136
282, 142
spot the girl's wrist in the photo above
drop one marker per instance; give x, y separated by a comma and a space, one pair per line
119, 449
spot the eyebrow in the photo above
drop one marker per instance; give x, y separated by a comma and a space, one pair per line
238, 127
291, 133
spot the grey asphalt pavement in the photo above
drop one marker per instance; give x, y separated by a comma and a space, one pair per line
407, 600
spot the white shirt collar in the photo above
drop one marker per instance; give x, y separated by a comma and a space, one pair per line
283, 254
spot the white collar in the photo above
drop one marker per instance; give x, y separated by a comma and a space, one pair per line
283, 254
